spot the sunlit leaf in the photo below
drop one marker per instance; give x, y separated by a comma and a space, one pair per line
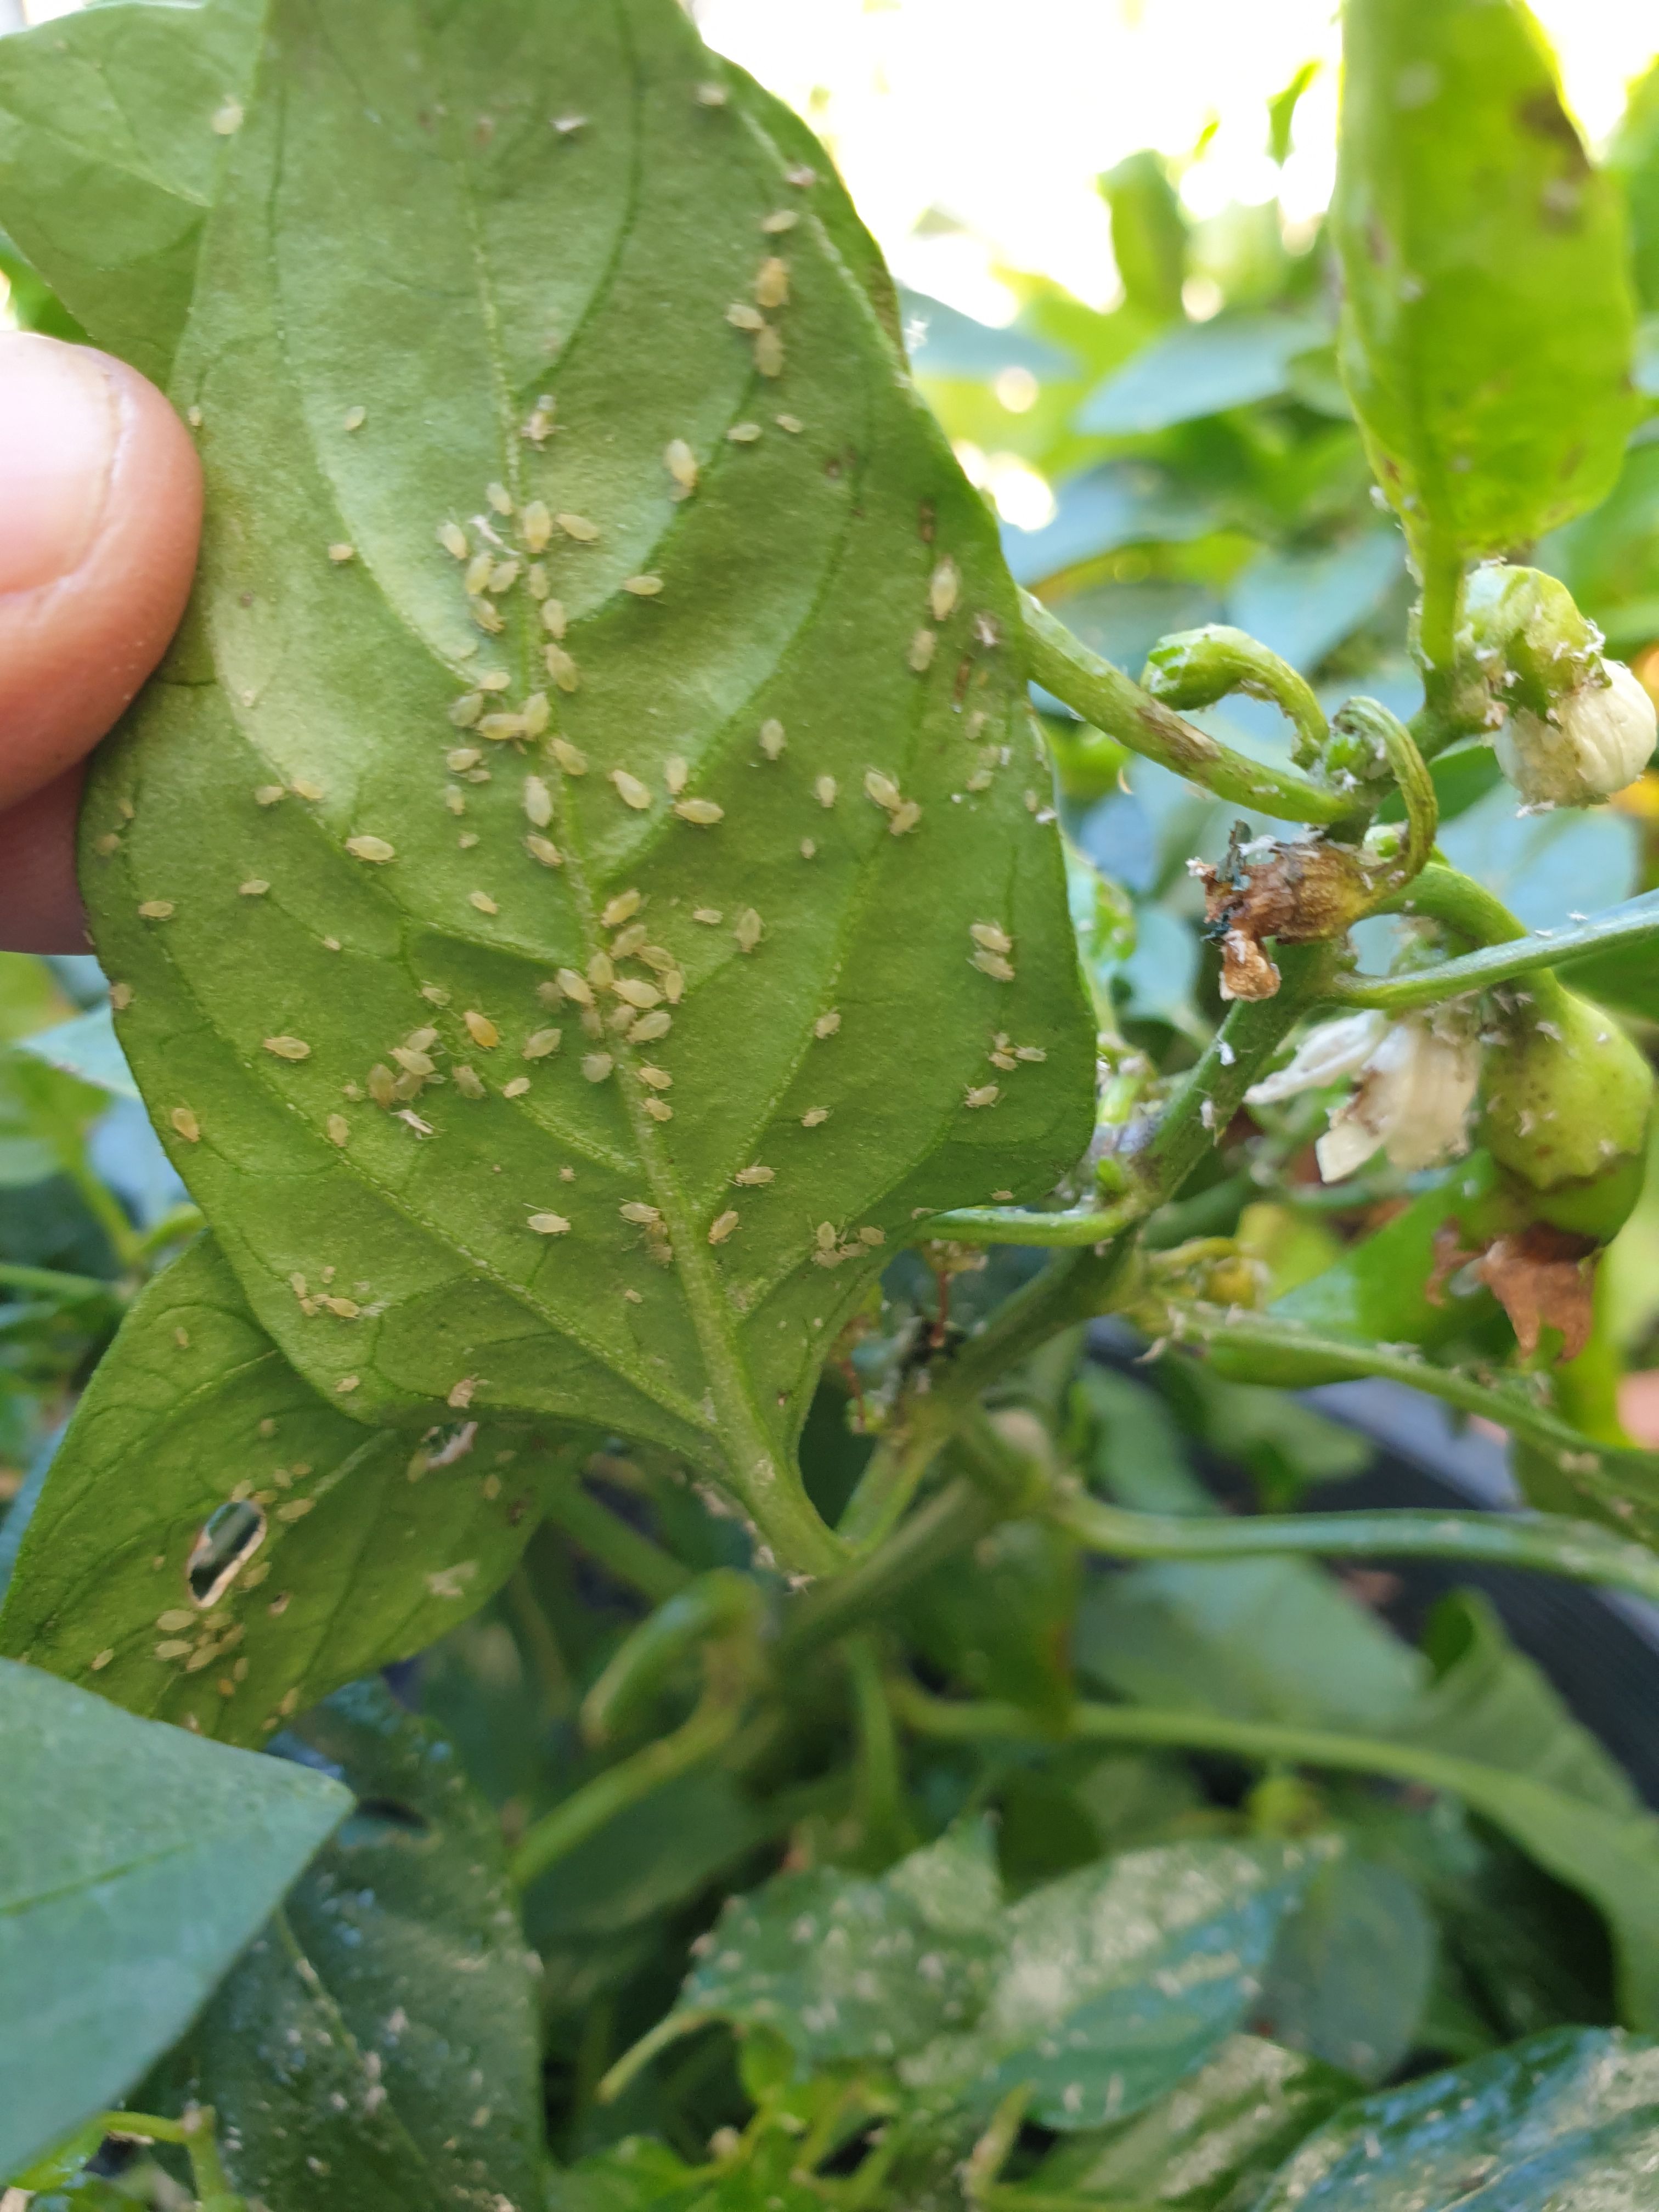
1202, 368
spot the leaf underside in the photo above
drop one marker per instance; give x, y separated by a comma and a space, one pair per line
569, 207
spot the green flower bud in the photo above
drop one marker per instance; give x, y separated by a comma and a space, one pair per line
1568, 1101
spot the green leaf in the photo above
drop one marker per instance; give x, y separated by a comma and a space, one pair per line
1199, 369
85, 1046
1633, 157
196, 1441
846, 1968
1569, 2120
1119, 1980
1487, 325
1003, 1631
134, 1866
635, 2175
480, 258
1210, 2144
380, 2035
1353, 1971
1149, 233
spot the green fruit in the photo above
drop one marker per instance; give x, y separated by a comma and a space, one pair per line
1568, 1102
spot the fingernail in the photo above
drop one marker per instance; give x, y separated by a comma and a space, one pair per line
58, 424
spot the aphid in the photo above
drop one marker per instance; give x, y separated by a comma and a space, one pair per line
554, 619
659, 1109
516, 1088
711, 914
340, 553
649, 1027
540, 1042
824, 790
873, 1237
501, 728
187, 1124
338, 1130
535, 714
537, 523
483, 901
638, 1212
703, 812
482, 1030
1030, 1052
371, 849
722, 1226
574, 986
488, 618
255, 887
354, 418
749, 931
549, 1225
813, 1116
772, 738
421, 1128
459, 758
535, 580
499, 497
744, 433
625, 905
883, 789
157, 910
711, 95
991, 935
601, 973
681, 463
268, 794
800, 177
642, 587
537, 801
503, 576
827, 1024
120, 996
986, 1094
538, 426
993, 965
465, 711
620, 1018
597, 1066
414, 1059
547, 854
979, 780
781, 220
768, 351
772, 282
171, 1647
824, 1236
654, 957
494, 679
288, 1048
655, 1079
943, 588
1005, 1060
467, 1082
579, 527
751, 1176
454, 798
109, 843
923, 646
330, 945
381, 1082
478, 570
808, 849
792, 423
631, 790
572, 761
453, 538
743, 317
634, 991
904, 818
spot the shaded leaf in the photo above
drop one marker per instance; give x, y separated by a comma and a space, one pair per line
85, 1046
943, 342
379, 2036
794, 586
1199, 369
1119, 1980
1487, 319
1569, 2120
1118, 503
347, 1562
134, 1865
1305, 604
1353, 1971
1209, 2145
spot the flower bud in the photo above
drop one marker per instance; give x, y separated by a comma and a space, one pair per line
1595, 740
1568, 1099
1416, 1082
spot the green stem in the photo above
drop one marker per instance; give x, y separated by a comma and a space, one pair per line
1577, 1551
956, 1515
1200, 667
1073, 1287
1637, 922
584, 1813
558, 1691
718, 1614
1007, 1224
50, 1283
879, 1793
990, 2153
195, 2134
622, 1551
1447, 894
1333, 1358
1105, 697
1440, 610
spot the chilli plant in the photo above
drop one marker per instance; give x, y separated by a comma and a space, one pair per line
629, 1612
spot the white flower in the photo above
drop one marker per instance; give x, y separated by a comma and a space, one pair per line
1601, 740
1416, 1086
1325, 1056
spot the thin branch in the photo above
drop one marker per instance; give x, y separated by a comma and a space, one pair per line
1637, 922
622, 1551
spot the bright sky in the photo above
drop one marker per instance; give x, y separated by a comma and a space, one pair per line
1000, 116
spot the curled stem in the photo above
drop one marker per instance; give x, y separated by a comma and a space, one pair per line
1105, 697
722, 1608
1370, 719
1196, 667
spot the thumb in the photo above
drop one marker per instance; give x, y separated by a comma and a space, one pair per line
100, 504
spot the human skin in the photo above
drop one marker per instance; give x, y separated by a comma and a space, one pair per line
100, 510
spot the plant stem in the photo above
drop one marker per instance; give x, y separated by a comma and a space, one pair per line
1577, 1551
879, 1796
50, 1283
1440, 610
1637, 922
622, 1551
586, 1810
1447, 894
1007, 1224
1105, 697
955, 1516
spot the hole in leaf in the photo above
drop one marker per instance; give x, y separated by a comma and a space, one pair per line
229, 1539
